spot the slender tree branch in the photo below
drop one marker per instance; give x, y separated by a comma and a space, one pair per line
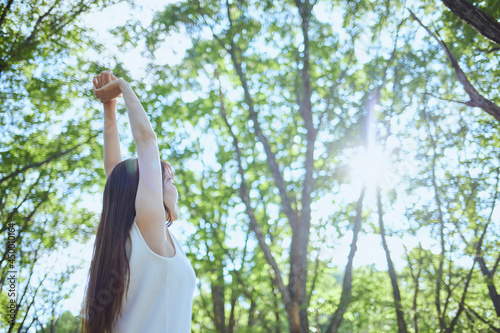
461, 305
205, 304
47, 160
439, 278
478, 316
494, 296
28, 40
332, 91
245, 290
276, 313
315, 278
495, 49
78, 9
495, 266
52, 25
488, 275
276, 273
445, 99
21, 230
476, 99
479, 244
271, 157
20, 300
5, 11
5, 224
232, 322
416, 279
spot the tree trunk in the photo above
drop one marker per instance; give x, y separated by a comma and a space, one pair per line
303, 229
218, 302
294, 318
288, 301
416, 278
402, 328
345, 297
251, 313
232, 322
476, 18
277, 328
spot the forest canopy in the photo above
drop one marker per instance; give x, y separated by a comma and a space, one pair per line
297, 130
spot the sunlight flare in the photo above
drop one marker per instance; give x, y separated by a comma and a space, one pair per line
372, 167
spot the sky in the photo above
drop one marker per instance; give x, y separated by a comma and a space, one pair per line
370, 251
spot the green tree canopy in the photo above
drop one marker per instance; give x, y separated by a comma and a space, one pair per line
263, 118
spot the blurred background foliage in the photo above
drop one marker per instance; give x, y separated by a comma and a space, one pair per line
263, 118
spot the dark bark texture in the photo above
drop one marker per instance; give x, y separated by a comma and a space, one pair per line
476, 18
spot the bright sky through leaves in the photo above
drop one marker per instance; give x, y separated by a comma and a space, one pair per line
229, 89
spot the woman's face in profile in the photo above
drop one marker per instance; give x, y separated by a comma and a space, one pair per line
170, 195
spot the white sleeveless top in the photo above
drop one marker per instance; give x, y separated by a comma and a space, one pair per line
160, 294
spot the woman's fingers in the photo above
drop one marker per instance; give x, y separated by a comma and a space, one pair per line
98, 93
105, 89
106, 77
94, 89
110, 91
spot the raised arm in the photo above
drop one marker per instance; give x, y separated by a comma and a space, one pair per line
112, 153
150, 212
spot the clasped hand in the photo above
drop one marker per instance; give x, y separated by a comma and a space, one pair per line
107, 87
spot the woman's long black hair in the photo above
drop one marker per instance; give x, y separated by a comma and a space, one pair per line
109, 269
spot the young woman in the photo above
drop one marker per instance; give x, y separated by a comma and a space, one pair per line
139, 279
